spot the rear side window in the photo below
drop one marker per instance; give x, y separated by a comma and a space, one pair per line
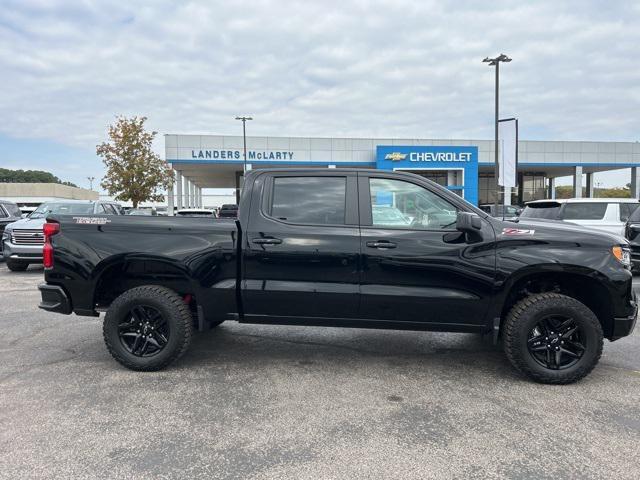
311, 200
110, 209
3, 214
584, 211
627, 210
548, 211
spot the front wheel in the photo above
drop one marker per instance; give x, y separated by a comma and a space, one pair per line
17, 266
147, 328
552, 338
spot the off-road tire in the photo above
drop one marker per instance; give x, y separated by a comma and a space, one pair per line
524, 316
17, 266
172, 308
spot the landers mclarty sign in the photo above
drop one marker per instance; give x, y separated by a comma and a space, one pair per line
239, 155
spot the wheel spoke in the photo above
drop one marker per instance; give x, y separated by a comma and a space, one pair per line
558, 359
138, 314
144, 347
569, 332
565, 325
575, 345
153, 342
569, 352
136, 342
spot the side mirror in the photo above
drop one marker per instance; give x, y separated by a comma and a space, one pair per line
468, 222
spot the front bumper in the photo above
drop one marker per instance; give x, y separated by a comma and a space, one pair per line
623, 326
23, 253
54, 299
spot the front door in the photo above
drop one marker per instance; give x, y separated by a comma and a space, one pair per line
302, 247
416, 266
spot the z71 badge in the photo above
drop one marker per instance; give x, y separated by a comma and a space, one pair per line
517, 231
92, 220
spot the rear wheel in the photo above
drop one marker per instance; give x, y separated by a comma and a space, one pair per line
147, 328
552, 338
17, 266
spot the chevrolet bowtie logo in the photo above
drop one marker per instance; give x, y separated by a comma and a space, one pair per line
395, 156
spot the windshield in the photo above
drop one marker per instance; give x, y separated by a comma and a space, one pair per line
547, 211
62, 209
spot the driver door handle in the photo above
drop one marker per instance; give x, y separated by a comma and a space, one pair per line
266, 241
381, 244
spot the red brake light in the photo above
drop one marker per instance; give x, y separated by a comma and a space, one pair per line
49, 229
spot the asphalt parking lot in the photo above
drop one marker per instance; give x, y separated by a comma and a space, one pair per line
291, 402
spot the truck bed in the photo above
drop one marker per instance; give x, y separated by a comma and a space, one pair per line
97, 257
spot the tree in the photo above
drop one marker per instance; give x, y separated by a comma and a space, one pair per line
134, 171
29, 176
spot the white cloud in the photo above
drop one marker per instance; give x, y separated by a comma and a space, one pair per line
409, 69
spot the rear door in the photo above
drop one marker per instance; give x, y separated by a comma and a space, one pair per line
416, 266
302, 247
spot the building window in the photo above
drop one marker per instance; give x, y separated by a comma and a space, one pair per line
533, 186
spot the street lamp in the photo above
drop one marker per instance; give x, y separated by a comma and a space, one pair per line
495, 62
91, 179
244, 139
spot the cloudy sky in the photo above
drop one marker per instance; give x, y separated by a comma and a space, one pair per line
325, 68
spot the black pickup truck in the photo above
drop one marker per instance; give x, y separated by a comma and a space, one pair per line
348, 248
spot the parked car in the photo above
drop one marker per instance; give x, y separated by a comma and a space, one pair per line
307, 249
509, 212
9, 213
228, 211
22, 240
196, 212
607, 214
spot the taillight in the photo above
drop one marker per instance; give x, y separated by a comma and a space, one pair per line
49, 229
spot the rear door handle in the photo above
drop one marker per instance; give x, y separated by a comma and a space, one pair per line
381, 244
267, 241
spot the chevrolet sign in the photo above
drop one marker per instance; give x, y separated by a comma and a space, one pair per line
395, 156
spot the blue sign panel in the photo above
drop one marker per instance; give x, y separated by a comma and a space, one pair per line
421, 158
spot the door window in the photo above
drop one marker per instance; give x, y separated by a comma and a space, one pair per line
400, 204
3, 214
309, 200
584, 211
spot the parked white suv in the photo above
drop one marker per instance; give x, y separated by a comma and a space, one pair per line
608, 214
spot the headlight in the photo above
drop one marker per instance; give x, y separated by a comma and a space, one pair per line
623, 254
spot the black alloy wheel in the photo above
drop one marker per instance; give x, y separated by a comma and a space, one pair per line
555, 342
144, 332
552, 338
147, 328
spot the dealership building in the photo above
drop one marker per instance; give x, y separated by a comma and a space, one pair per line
465, 167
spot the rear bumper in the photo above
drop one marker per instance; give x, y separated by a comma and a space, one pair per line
54, 299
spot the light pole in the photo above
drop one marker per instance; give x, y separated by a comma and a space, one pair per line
495, 62
244, 139
91, 179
